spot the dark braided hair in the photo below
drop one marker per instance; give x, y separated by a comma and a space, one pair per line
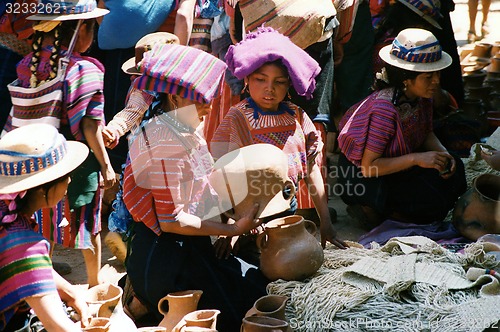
35, 59
62, 35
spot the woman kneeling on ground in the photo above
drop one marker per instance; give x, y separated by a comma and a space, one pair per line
392, 165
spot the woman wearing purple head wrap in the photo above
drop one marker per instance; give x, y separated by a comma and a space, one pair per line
269, 63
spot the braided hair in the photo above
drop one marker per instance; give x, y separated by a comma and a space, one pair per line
62, 35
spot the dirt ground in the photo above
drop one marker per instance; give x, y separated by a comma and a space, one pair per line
112, 269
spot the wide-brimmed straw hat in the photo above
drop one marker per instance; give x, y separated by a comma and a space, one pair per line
416, 50
145, 44
257, 173
36, 154
429, 10
65, 10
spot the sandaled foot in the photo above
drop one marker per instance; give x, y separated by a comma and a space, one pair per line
471, 37
485, 30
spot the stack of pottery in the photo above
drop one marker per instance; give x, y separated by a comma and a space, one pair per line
267, 314
106, 310
481, 76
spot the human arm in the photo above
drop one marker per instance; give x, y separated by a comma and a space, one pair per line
92, 131
184, 20
374, 165
50, 311
316, 187
70, 295
127, 119
187, 224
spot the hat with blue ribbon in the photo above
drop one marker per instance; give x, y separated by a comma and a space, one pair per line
416, 50
65, 10
36, 154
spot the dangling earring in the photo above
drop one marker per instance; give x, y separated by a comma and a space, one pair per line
245, 88
405, 87
289, 95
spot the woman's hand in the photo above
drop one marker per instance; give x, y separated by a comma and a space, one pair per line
248, 221
443, 162
492, 158
329, 234
110, 137
78, 303
109, 177
225, 245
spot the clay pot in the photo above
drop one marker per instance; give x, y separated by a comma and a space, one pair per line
269, 306
474, 78
289, 249
263, 324
494, 83
98, 324
495, 48
482, 50
477, 212
206, 319
103, 299
176, 305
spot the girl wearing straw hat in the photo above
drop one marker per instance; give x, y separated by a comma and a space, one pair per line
58, 86
166, 188
392, 165
35, 162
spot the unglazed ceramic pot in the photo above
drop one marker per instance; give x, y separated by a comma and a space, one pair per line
98, 324
477, 212
179, 304
269, 306
289, 249
263, 324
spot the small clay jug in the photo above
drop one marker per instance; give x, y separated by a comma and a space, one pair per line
263, 324
477, 211
98, 324
269, 306
289, 249
176, 305
103, 299
474, 79
206, 319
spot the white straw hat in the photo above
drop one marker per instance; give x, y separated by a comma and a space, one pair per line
416, 50
36, 154
145, 44
65, 10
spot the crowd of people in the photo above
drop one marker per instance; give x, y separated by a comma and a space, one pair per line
188, 93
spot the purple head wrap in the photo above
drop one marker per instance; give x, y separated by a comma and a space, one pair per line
267, 45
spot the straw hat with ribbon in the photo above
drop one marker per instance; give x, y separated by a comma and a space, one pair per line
145, 44
416, 50
52, 12
36, 154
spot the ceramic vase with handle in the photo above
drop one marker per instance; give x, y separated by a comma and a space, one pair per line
289, 249
176, 305
269, 306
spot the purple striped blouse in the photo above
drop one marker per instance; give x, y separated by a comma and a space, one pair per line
378, 125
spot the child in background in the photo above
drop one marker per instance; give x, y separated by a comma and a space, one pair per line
269, 62
28, 279
80, 117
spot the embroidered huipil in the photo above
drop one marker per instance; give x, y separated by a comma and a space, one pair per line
289, 128
380, 126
